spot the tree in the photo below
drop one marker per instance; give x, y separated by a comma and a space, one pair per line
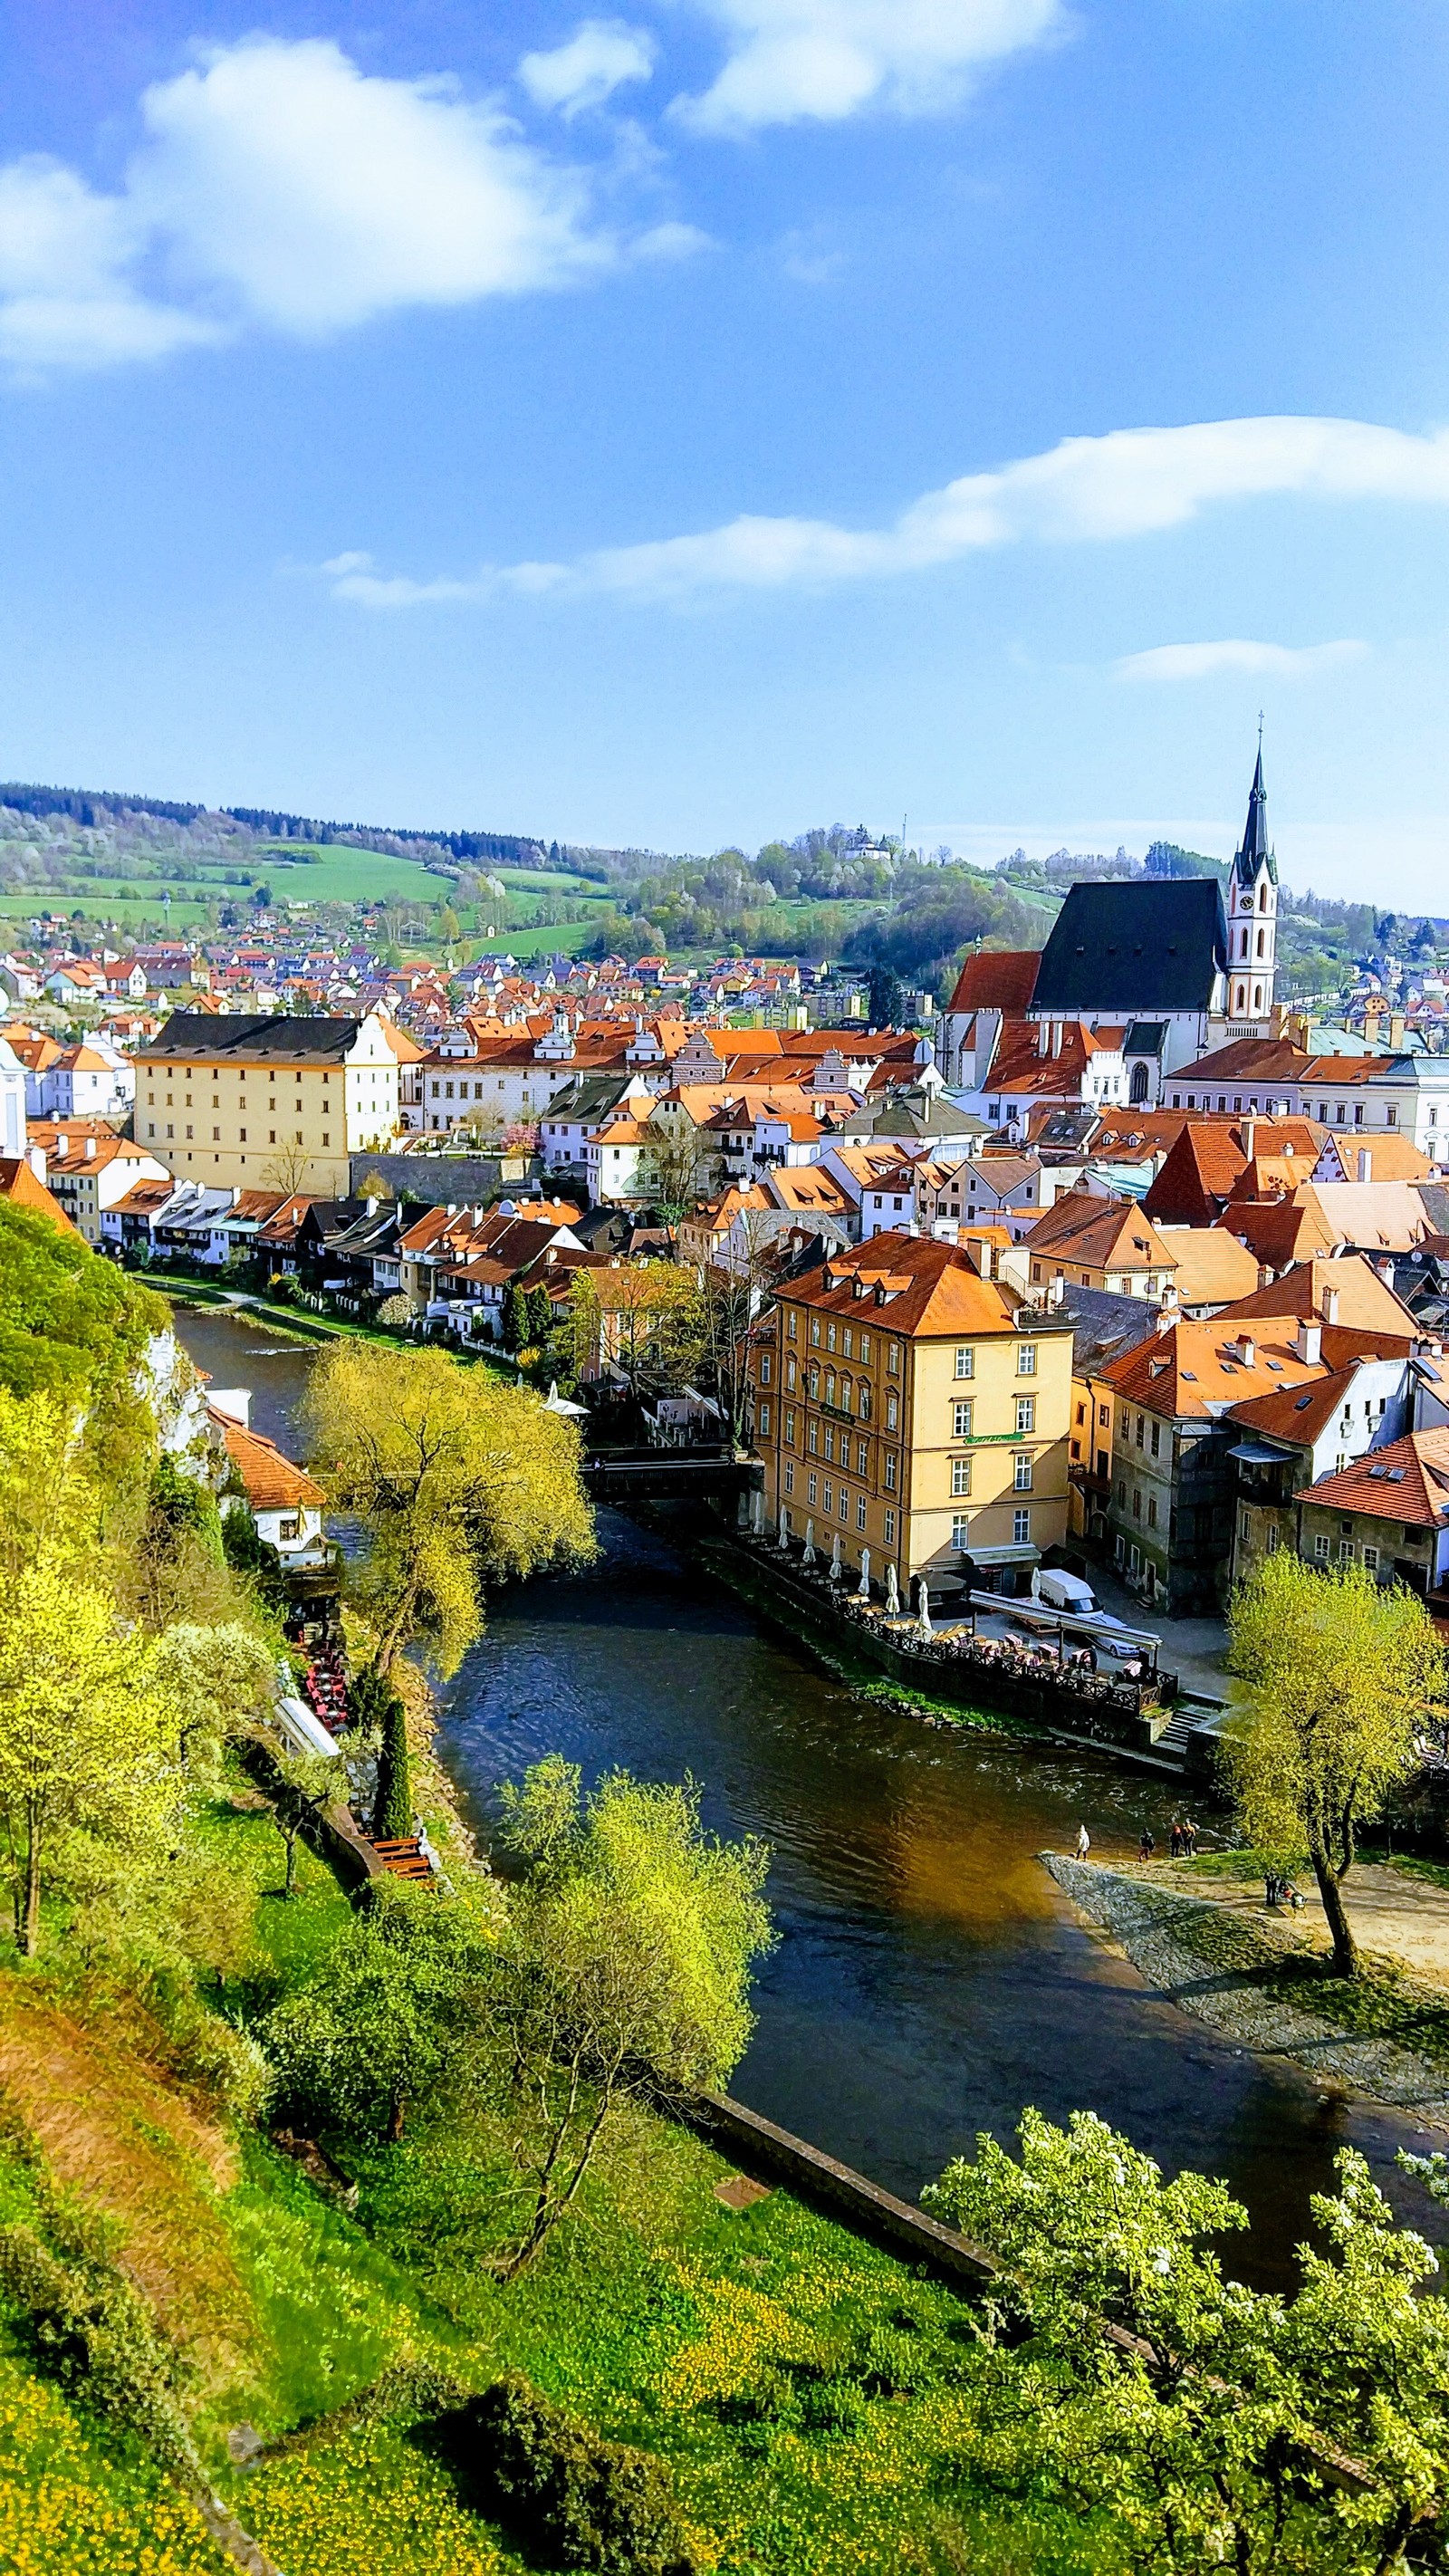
394, 1774
449, 926
626, 1968
887, 1004
678, 1169
89, 1736
302, 1785
540, 1316
515, 1318
456, 1480
49, 1500
1220, 2426
390, 2014
287, 1170
1339, 1674
76, 1326
641, 1324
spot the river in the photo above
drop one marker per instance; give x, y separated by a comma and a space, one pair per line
929, 1979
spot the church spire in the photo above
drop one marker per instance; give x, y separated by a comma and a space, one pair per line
1255, 852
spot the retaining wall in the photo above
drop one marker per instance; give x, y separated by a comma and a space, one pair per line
1059, 1708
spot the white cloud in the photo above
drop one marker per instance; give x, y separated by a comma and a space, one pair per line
278, 184
1132, 482
599, 58
826, 59
1236, 653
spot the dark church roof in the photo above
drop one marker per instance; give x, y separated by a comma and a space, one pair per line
1135, 948
273, 1036
1255, 852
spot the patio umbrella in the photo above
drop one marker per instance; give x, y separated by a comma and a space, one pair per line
863, 1587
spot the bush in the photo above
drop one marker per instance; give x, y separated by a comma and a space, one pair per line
97, 2335
394, 1314
579, 2501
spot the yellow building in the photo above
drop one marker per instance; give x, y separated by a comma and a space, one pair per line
916, 1408
267, 1103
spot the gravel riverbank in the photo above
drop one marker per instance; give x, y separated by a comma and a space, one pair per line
1222, 1970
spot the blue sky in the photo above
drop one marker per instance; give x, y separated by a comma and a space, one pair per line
682, 425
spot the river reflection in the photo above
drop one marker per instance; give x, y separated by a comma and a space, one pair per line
930, 1979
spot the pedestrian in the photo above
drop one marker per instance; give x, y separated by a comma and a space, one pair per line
1084, 1842
1174, 1839
1189, 1834
1147, 1846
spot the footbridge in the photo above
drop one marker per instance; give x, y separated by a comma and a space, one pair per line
706, 1475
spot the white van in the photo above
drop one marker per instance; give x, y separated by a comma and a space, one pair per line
1060, 1591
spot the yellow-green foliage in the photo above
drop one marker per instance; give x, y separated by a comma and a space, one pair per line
70, 2507
457, 1480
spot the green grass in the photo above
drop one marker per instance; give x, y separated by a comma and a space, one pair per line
334, 873
78, 2500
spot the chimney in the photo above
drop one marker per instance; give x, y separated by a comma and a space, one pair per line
1365, 1163
1248, 1131
1043, 1037
1396, 1030
1265, 1275
1057, 1030
1330, 1305
90, 1148
1308, 1343
1246, 1347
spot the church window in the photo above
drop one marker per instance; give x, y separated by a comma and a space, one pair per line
1262, 943
1263, 899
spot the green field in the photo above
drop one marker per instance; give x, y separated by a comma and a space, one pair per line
340, 875
550, 881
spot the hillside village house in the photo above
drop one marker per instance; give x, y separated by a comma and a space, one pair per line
257, 1102
1178, 1407
1389, 1513
88, 1169
918, 1410
285, 1502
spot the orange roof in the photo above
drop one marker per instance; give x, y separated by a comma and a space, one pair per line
1362, 1297
1197, 1178
274, 1483
1194, 1368
1102, 1234
1212, 1266
1389, 1158
1406, 1481
997, 979
1288, 1414
925, 1287
19, 1184
1277, 1232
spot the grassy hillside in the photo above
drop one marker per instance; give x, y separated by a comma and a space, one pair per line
805, 2391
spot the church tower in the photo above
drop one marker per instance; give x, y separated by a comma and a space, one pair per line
1253, 913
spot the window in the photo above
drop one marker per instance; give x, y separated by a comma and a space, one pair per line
961, 1420
865, 1346
289, 1528
864, 1406
846, 1341
791, 1372
766, 1364
1103, 1416
893, 1359
1025, 1416
790, 1426
1021, 1528
1121, 1489
151, 1130
1371, 1560
1152, 1511
845, 1395
829, 1440
890, 1471
1021, 1471
892, 1412
764, 1420
1320, 1549
860, 1511
1081, 1415
830, 1386
890, 1527
844, 1504
1137, 1502
814, 1487
790, 1324
960, 1525
960, 1475
965, 1363
1026, 1359
812, 1437
862, 1458
815, 1330
830, 1335
827, 1497
1141, 1430
216, 1136
1272, 1538
812, 1379
1245, 1528
1345, 1551
789, 1475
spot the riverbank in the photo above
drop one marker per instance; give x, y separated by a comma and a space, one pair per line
247, 1308
1265, 1986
